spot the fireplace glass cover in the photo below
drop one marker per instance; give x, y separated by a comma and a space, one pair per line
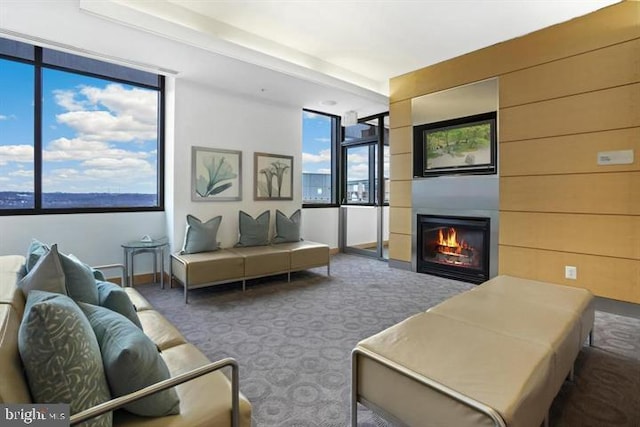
454, 247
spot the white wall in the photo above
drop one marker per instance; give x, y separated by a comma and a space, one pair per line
320, 225
209, 118
94, 238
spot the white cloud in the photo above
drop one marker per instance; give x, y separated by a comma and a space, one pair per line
322, 156
63, 149
322, 139
358, 171
324, 170
16, 153
104, 126
67, 100
358, 158
309, 115
113, 113
9, 117
23, 173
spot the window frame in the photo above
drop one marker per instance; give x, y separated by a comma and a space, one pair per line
39, 65
376, 157
336, 136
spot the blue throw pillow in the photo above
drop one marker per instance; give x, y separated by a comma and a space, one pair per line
79, 280
45, 275
201, 236
36, 250
61, 355
254, 232
114, 298
131, 362
287, 229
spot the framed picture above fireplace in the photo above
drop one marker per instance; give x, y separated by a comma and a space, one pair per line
466, 145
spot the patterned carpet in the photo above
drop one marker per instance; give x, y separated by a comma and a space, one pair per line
293, 342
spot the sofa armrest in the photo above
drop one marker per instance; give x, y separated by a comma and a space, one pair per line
119, 402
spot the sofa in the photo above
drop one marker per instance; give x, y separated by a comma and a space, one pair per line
207, 396
496, 355
210, 268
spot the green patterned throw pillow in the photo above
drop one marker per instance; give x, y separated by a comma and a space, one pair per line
61, 355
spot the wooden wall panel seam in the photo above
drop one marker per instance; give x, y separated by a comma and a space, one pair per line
566, 173
568, 213
569, 95
569, 134
565, 252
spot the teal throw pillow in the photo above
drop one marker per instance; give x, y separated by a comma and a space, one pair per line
36, 250
131, 362
114, 298
46, 275
254, 232
61, 355
287, 229
201, 236
79, 280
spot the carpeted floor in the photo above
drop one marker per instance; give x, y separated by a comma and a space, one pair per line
293, 342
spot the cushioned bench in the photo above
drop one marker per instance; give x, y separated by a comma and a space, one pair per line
198, 270
496, 355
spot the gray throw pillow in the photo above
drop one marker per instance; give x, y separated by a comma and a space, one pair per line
254, 232
46, 275
114, 298
79, 280
287, 229
131, 362
61, 355
201, 236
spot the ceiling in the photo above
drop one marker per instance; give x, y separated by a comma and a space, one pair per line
309, 52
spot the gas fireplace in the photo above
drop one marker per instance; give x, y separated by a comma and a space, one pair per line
454, 247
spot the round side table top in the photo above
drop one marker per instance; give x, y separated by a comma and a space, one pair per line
153, 243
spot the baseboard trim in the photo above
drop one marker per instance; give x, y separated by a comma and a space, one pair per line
622, 308
401, 265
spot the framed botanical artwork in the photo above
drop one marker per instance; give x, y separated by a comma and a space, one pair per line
216, 174
272, 177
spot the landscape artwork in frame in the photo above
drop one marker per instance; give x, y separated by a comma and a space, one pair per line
216, 174
273, 177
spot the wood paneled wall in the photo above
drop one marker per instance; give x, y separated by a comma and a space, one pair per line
566, 93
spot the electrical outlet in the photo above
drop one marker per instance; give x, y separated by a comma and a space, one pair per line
570, 272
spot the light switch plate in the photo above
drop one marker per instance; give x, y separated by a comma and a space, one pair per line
619, 157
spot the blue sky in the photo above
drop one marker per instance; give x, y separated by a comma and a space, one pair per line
98, 136
316, 143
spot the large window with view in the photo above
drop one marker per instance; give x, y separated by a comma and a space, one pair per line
319, 139
77, 134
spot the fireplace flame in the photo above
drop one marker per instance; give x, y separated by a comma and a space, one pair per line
448, 241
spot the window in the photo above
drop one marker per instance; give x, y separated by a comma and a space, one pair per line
76, 134
319, 139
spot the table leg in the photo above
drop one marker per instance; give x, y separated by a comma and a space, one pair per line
162, 267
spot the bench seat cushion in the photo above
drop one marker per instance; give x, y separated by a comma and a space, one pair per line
203, 401
305, 255
509, 374
207, 267
263, 260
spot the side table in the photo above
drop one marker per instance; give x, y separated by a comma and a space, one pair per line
135, 247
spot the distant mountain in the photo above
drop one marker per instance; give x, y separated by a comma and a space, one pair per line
24, 200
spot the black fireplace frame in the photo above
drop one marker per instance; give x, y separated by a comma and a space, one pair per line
466, 274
